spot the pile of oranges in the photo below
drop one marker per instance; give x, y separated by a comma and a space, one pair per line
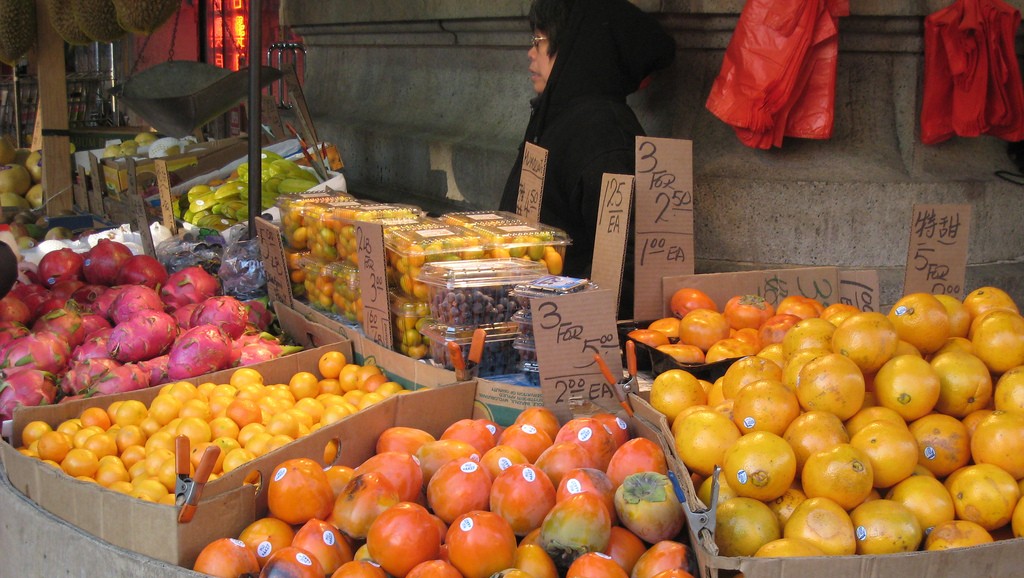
858, 432
476, 501
129, 446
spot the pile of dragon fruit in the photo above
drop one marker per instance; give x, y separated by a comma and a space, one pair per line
107, 321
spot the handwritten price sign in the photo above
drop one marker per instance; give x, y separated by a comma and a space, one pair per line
664, 218
268, 238
612, 227
373, 282
568, 331
531, 182
937, 253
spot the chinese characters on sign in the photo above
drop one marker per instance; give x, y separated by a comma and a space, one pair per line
937, 252
531, 182
268, 237
373, 282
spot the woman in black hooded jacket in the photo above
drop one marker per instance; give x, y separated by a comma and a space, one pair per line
602, 50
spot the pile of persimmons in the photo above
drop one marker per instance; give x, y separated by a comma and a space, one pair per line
839, 431
536, 499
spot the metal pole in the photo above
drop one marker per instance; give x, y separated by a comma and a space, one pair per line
255, 112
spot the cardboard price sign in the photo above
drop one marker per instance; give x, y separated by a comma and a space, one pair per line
531, 182
937, 252
860, 288
279, 285
163, 183
820, 283
612, 227
664, 219
568, 330
373, 283
137, 209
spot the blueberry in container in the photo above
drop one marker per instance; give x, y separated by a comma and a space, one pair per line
473, 293
499, 356
548, 286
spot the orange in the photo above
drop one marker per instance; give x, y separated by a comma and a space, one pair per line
812, 432
667, 325
130, 412
788, 548
649, 337
999, 440
53, 445
965, 383
921, 320
985, 299
747, 370
983, 494
870, 414
907, 385
842, 474
973, 419
703, 327
675, 390
998, 339
825, 524
101, 444
34, 430
784, 506
80, 462
794, 363
904, 348
810, 333
868, 339
702, 438
96, 416
1008, 394
885, 527
891, 449
958, 343
959, 316
725, 491
836, 313
765, 405
926, 497
686, 299
1017, 523
772, 352
729, 348
943, 443
245, 375
760, 465
956, 534
330, 363
743, 525
831, 383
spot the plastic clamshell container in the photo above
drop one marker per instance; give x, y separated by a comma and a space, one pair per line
548, 286
474, 293
525, 321
410, 247
296, 274
531, 371
296, 211
473, 219
333, 288
526, 347
523, 240
499, 356
409, 317
332, 235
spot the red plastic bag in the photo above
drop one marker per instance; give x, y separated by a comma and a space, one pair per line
972, 82
778, 75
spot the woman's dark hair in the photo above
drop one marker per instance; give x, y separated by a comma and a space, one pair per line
550, 16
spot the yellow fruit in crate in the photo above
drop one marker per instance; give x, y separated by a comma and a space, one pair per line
921, 320
812, 432
997, 337
885, 527
907, 385
867, 338
999, 440
986, 298
1008, 394
743, 525
831, 383
956, 534
983, 494
765, 405
675, 390
702, 438
842, 474
926, 497
891, 449
784, 506
788, 548
748, 370
825, 524
965, 383
760, 465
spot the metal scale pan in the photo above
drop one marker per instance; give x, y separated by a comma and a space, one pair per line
178, 96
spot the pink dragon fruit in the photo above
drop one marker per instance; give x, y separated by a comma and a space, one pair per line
39, 301
259, 316
82, 375
127, 377
157, 369
66, 323
40, 350
132, 299
183, 315
223, 311
144, 336
103, 261
94, 346
12, 308
190, 285
86, 295
25, 387
202, 349
101, 305
93, 322
9, 331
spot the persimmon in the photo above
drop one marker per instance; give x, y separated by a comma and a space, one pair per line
398, 468
500, 457
533, 560
562, 457
802, 307
292, 562
595, 565
361, 501
359, 569
527, 438
703, 327
649, 337
774, 329
402, 439
616, 425
459, 486
687, 299
522, 495
592, 435
433, 455
299, 491
473, 432
580, 523
636, 455
434, 569
475, 533
747, 311
403, 536
541, 418
625, 548
226, 558
588, 481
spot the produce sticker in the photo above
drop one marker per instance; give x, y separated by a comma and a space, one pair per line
937, 252
664, 219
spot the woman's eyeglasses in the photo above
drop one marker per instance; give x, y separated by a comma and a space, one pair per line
537, 40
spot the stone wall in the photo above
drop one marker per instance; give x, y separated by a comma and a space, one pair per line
428, 101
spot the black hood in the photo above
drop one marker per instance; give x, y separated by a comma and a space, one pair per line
607, 50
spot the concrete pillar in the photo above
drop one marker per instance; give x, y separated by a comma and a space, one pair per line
428, 101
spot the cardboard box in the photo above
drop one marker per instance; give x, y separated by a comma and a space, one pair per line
998, 559
496, 401
199, 159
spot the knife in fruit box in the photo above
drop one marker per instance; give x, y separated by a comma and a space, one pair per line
621, 387
189, 489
